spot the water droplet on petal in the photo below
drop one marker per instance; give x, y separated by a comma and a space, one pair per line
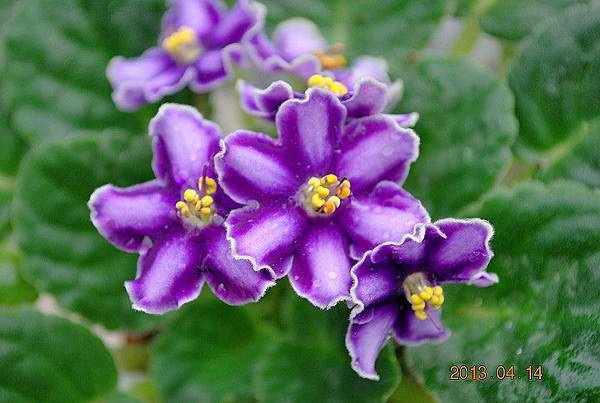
332, 275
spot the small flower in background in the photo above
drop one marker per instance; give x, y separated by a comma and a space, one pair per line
321, 195
397, 286
200, 43
175, 221
299, 48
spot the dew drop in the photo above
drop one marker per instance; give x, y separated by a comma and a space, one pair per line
519, 351
317, 283
332, 275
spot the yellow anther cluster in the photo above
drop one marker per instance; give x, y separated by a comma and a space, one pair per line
198, 205
421, 294
433, 296
330, 61
183, 45
320, 81
326, 193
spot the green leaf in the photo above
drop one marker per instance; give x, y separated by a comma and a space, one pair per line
49, 359
314, 366
555, 82
466, 127
63, 253
578, 160
381, 28
208, 354
515, 19
544, 311
13, 287
55, 59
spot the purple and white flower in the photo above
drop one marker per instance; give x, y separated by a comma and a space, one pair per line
175, 222
298, 48
200, 43
397, 286
321, 195
367, 97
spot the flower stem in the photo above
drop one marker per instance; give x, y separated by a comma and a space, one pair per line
410, 385
471, 31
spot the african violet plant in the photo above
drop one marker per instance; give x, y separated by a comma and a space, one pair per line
332, 228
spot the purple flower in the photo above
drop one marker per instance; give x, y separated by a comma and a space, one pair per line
199, 43
299, 49
175, 221
397, 286
324, 193
368, 97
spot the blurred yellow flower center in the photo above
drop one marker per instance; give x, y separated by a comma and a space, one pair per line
183, 45
320, 81
324, 195
330, 60
421, 294
197, 206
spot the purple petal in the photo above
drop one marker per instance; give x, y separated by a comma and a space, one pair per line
367, 335
183, 143
212, 69
321, 268
238, 20
267, 234
169, 273
405, 120
368, 98
374, 283
267, 58
200, 15
365, 66
264, 103
373, 149
146, 79
410, 330
386, 214
232, 280
464, 252
253, 166
310, 130
298, 37
127, 216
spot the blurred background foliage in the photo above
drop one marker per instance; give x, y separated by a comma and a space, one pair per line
509, 97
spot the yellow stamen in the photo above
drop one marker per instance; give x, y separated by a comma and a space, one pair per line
179, 205
323, 191
316, 80
418, 307
190, 195
343, 192
329, 179
437, 290
330, 61
183, 45
205, 211
316, 201
421, 315
185, 210
314, 181
206, 201
211, 185
338, 88
320, 81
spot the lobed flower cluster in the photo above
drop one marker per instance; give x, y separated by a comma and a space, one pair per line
322, 203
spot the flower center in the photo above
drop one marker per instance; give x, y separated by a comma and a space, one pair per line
421, 295
330, 60
198, 207
320, 81
323, 196
183, 45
